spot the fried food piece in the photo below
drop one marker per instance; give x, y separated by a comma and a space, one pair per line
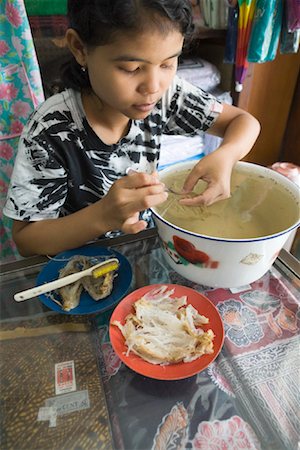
98, 288
71, 293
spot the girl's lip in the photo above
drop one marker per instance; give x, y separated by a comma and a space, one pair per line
145, 107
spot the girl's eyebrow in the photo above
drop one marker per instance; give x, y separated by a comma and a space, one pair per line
135, 59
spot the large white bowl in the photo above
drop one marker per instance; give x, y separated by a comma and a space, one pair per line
225, 263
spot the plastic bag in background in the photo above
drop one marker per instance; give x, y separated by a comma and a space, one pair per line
231, 36
265, 32
292, 172
289, 40
199, 72
175, 149
293, 14
205, 11
215, 14
197, 15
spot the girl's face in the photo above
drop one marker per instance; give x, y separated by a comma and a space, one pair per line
131, 75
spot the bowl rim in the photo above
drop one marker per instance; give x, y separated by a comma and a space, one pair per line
187, 164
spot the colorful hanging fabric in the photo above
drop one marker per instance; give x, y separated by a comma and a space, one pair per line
293, 14
266, 29
289, 40
246, 14
231, 35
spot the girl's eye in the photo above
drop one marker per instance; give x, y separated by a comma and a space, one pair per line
167, 66
129, 70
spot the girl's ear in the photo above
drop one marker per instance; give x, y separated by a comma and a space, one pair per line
76, 46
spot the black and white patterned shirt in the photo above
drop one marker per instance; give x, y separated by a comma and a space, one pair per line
63, 166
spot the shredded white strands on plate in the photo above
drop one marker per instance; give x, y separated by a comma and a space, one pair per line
163, 330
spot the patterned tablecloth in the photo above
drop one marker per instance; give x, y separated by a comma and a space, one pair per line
260, 362
247, 399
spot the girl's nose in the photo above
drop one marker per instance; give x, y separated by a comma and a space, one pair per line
150, 85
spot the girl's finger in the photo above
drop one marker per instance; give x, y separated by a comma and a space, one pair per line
149, 201
208, 197
137, 180
132, 225
144, 197
191, 180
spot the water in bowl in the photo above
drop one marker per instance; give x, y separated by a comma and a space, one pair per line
259, 206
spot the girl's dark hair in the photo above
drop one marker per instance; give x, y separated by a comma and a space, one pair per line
99, 22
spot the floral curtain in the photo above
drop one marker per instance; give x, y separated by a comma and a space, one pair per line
20, 93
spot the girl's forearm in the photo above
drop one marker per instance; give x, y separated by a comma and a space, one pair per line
240, 136
51, 236
118, 210
239, 131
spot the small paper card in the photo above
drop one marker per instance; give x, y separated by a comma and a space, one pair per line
236, 290
65, 377
48, 413
68, 403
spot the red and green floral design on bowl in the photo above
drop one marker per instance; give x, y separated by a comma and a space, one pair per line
184, 252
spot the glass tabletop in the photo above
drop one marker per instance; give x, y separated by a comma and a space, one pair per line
247, 398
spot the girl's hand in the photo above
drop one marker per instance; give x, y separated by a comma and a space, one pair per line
118, 210
127, 197
215, 169
239, 131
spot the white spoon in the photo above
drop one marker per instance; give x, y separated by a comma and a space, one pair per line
96, 271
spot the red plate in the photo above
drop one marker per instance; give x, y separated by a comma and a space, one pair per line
173, 371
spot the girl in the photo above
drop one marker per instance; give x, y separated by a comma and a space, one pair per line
69, 184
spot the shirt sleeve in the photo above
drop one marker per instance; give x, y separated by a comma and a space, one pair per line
187, 109
38, 186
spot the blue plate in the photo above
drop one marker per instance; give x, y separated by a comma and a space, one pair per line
87, 305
